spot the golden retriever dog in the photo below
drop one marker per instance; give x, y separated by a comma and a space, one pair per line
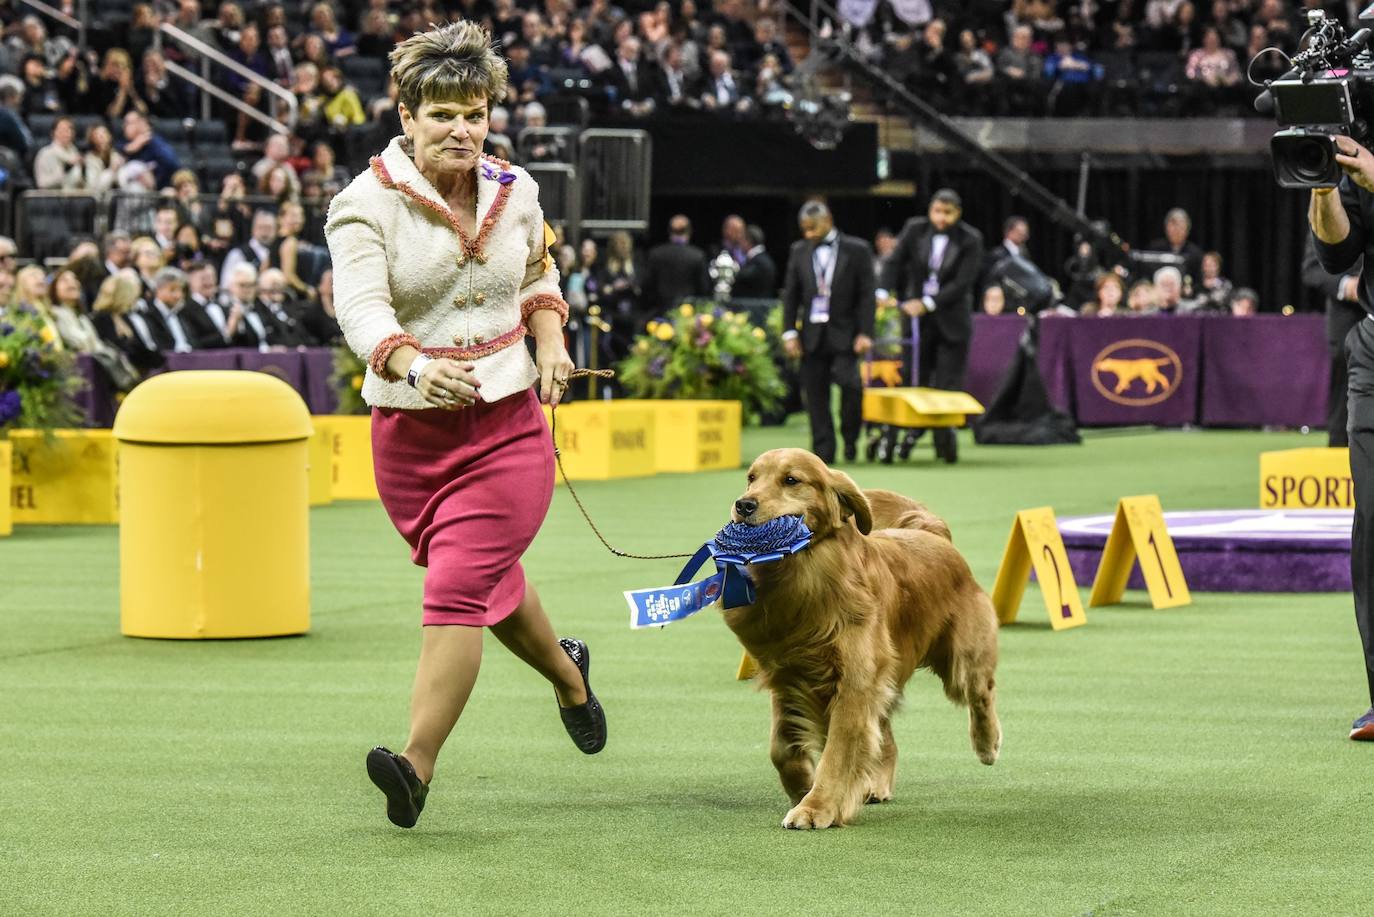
838, 628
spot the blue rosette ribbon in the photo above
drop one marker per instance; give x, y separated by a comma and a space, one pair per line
734, 547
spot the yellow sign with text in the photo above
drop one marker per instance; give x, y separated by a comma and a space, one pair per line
351, 456
64, 477
1316, 478
1139, 533
1035, 545
6, 515
600, 440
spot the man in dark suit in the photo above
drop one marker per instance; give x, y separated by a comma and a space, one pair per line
634, 82
1177, 226
249, 323
828, 288
676, 269
758, 275
182, 321
1341, 294
933, 272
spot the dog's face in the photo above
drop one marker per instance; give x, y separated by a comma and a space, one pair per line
793, 482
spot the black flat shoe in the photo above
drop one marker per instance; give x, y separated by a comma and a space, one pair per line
405, 794
586, 723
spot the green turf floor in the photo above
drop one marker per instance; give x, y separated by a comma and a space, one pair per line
1190, 761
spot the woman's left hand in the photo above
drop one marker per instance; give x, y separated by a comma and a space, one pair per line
555, 366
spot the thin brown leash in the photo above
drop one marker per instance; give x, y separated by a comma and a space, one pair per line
558, 456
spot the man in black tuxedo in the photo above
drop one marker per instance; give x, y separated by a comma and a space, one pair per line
828, 287
249, 325
1343, 310
933, 272
758, 275
676, 270
180, 325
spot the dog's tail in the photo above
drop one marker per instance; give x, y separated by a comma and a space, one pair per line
895, 511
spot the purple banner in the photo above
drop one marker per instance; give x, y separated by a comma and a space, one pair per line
97, 397
320, 396
203, 359
1136, 371
1056, 360
991, 351
287, 366
1269, 370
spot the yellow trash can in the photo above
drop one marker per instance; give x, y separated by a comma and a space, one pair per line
214, 507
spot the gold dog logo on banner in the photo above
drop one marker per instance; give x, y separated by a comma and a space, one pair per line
1142, 372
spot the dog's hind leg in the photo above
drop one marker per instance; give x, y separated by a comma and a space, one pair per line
983, 726
967, 664
790, 746
885, 776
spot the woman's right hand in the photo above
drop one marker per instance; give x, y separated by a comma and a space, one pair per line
448, 384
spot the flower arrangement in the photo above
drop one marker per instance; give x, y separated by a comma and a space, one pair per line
347, 380
888, 331
38, 381
704, 351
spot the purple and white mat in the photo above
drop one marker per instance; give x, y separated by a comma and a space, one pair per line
1253, 550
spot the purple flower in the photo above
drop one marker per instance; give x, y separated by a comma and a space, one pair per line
490, 171
6, 328
10, 406
656, 367
703, 339
727, 361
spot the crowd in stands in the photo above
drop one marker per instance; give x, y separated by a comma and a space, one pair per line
217, 237
1085, 57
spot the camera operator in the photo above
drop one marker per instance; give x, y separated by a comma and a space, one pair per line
1343, 230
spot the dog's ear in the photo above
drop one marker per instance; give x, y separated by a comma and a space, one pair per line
852, 501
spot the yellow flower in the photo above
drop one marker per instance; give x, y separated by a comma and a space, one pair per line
707, 319
652, 327
758, 333
4, 360
664, 332
642, 346
46, 335
357, 383
686, 310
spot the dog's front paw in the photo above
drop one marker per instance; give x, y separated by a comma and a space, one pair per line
878, 795
808, 815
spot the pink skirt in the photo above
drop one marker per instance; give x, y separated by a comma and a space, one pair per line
468, 491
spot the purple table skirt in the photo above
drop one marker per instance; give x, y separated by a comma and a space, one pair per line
306, 371
1217, 371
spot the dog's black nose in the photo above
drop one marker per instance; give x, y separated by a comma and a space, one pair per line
746, 507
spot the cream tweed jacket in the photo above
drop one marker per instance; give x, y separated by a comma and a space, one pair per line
405, 273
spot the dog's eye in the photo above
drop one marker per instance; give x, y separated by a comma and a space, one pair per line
751, 477
790, 481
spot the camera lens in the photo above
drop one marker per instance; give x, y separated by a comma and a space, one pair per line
1312, 158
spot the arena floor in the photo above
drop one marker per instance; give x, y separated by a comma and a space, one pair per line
1190, 761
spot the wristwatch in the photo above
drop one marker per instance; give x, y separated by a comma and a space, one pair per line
416, 367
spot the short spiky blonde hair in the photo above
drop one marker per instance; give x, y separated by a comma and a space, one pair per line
450, 63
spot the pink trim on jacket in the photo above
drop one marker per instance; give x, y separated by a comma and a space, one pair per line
477, 351
383, 351
471, 248
550, 301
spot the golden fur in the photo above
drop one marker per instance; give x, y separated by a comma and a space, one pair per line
837, 629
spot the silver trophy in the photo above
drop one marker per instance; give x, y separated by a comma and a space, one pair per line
723, 271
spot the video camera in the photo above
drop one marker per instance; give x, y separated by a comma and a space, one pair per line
1328, 90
